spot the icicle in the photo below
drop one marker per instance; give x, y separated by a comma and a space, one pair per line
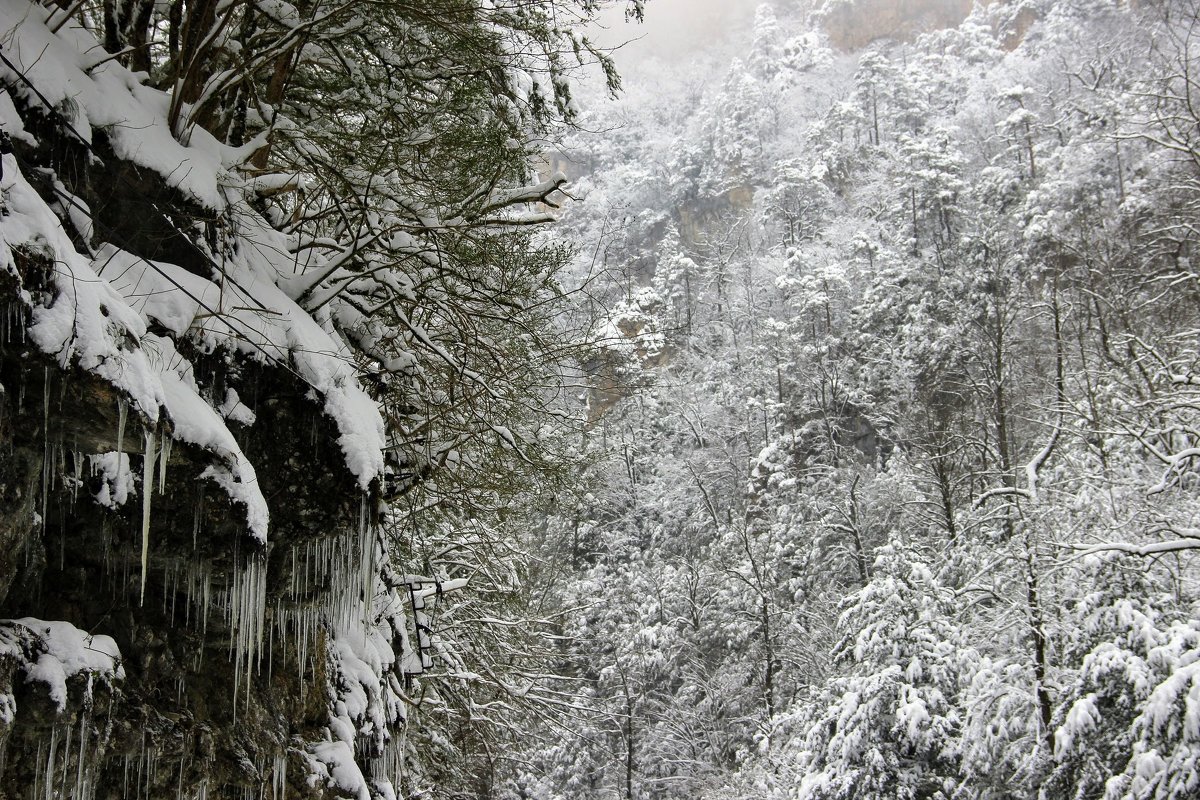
147, 491
49, 784
122, 415
279, 777
77, 464
307, 566
256, 601
37, 775
301, 642
66, 764
206, 598
164, 456
189, 596
246, 612
144, 769
174, 593
80, 783
270, 653
366, 558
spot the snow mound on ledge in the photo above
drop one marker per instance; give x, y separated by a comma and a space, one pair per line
198, 423
51, 652
87, 323
76, 75
98, 308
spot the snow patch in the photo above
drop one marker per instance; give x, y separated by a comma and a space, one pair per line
52, 652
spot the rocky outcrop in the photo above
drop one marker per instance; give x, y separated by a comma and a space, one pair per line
629, 345
854, 24
195, 599
225, 658
696, 218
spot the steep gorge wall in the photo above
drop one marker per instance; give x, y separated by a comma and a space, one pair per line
203, 705
854, 24
159, 636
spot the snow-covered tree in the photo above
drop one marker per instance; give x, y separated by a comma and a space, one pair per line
889, 724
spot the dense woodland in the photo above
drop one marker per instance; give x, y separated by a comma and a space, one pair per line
398, 402
900, 497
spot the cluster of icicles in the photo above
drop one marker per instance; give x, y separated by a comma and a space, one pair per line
332, 585
66, 771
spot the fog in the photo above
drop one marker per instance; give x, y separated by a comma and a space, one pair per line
675, 30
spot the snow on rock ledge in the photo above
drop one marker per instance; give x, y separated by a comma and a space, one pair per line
52, 652
75, 74
198, 423
87, 323
97, 309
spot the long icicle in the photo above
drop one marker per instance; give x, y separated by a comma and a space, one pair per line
122, 416
147, 491
164, 455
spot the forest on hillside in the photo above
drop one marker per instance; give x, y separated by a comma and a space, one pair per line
897, 495
414, 399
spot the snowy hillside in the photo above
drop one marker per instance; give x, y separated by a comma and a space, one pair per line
895, 422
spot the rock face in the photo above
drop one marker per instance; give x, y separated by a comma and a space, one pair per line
224, 664
696, 218
195, 599
631, 343
854, 24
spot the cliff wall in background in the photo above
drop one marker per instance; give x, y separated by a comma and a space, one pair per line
853, 24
